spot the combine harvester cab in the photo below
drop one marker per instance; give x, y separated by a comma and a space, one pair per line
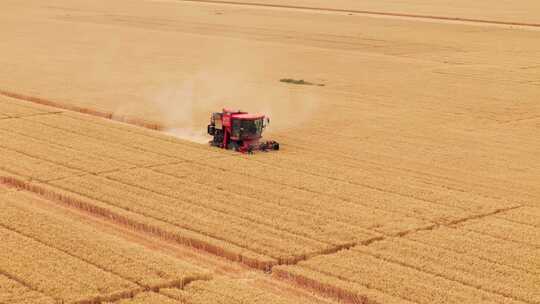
239, 131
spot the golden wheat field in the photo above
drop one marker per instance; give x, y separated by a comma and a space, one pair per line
409, 168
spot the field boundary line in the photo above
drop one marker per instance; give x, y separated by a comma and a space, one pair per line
29, 115
98, 113
369, 12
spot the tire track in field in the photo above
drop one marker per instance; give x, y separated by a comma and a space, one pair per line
459, 20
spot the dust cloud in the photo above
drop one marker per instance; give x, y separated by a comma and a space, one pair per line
244, 81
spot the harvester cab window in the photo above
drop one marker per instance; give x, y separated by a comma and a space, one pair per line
252, 127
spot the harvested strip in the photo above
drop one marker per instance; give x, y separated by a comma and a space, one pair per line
13, 292
55, 273
83, 143
466, 242
147, 298
506, 230
130, 136
32, 167
222, 226
281, 218
291, 199
10, 107
469, 270
47, 151
226, 291
130, 261
365, 271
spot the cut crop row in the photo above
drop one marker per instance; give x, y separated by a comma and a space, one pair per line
129, 261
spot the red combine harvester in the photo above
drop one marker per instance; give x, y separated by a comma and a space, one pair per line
239, 131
